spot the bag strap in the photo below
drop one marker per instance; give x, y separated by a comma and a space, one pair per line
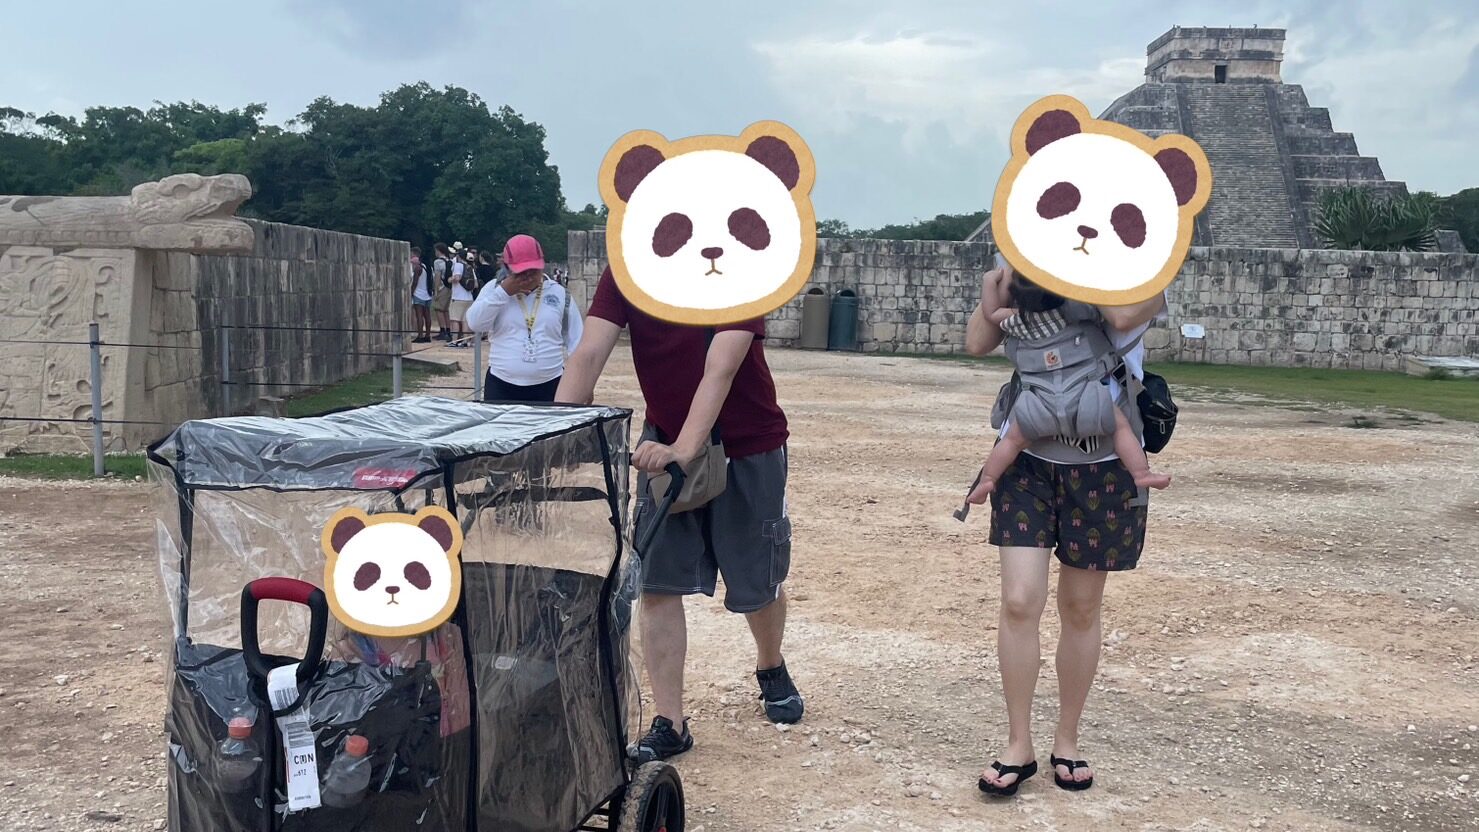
709, 333
565, 324
1121, 371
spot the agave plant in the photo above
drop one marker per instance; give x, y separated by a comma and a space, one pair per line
1362, 219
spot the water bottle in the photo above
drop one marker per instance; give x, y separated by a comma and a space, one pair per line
349, 774
237, 760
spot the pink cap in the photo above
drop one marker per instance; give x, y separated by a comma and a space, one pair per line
239, 727
522, 253
357, 746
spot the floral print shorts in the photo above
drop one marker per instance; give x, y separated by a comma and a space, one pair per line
1089, 514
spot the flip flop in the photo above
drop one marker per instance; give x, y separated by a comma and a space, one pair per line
1023, 772
1070, 784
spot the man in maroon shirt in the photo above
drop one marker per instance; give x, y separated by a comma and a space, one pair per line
691, 385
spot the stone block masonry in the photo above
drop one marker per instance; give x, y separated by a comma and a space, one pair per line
913, 296
1356, 310
1274, 307
313, 281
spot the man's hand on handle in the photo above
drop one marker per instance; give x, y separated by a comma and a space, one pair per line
653, 457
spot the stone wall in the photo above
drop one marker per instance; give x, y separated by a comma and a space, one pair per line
913, 296
304, 285
1279, 307
1318, 308
172, 304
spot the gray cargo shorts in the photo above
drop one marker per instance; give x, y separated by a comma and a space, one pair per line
744, 535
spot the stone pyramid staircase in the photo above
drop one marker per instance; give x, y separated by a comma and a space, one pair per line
1251, 201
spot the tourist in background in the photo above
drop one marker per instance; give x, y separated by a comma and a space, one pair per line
422, 291
441, 301
487, 272
463, 278
531, 325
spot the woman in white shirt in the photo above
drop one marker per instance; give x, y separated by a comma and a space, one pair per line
531, 326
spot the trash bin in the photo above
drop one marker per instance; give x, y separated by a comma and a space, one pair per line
842, 324
815, 306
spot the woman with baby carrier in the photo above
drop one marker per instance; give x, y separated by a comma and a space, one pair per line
1058, 487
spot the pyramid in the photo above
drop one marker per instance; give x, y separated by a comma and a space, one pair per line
1272, 154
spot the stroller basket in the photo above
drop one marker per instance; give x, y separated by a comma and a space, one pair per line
512, 716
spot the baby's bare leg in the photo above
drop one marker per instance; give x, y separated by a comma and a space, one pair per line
1001, 457
1127, 447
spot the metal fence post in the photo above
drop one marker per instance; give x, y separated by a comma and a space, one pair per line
395, 376
477, 366
95, 347
223, 335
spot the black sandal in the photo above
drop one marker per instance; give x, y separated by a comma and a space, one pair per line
1070, 785
1023, 772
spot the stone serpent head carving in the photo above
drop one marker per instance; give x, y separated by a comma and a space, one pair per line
203, 205
184, 212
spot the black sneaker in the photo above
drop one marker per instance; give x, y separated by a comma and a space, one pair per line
421, 340
783, 703
661, 742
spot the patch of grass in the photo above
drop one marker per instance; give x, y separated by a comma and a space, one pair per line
1444, 395
1456, 399
956, 358
361, 390
64, 467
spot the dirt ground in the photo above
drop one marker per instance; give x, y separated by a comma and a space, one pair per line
1296, 650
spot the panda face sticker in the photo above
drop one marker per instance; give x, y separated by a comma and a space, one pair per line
1096, 211
392, 575
710, 230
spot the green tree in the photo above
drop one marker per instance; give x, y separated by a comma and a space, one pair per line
1360, 219
834, 228
1460, 212
30, 159
210, 158
422, 165
942, 227
554, 237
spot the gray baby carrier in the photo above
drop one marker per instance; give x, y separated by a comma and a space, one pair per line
1063, 389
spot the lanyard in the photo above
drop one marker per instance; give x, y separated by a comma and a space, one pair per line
531, 314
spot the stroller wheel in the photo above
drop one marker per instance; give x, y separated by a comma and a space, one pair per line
654, 800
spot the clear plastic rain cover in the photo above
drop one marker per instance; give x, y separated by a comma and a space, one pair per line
512, 716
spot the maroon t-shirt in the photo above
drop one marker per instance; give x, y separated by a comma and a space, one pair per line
669, 359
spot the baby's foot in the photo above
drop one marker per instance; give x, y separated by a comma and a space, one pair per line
1150, 479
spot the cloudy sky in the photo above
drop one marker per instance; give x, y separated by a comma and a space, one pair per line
906, 105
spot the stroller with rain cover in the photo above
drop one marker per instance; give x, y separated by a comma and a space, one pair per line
510, 717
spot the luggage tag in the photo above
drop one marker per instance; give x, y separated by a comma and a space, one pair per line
299, 751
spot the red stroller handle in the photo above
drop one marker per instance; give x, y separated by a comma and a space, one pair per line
293, 591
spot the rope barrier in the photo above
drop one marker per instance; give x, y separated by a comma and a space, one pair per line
276, 328
100, 344
190, 347
84, 421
